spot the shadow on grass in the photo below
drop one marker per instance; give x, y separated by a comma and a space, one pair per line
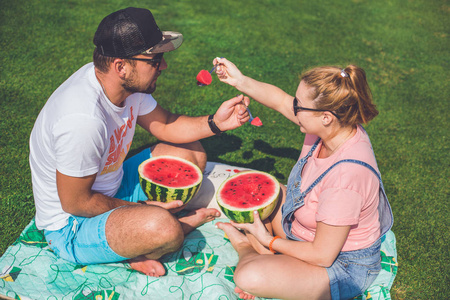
218, 146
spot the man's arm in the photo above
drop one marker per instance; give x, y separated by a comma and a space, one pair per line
77, 197
179, 129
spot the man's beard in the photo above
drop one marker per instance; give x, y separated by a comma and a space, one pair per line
130, 85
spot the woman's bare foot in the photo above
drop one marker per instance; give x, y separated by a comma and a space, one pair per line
197, 218
149, 267
242, 294
244, 248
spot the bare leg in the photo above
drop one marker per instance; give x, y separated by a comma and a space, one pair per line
145, 233
148, 263
193, 152
288, 278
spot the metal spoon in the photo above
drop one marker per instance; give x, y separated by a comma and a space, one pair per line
254, 121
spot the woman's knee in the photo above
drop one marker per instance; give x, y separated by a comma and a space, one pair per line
250, 276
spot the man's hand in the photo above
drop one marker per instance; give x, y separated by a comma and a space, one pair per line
173, 207
232, 113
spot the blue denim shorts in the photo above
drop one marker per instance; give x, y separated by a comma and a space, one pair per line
83, 240
354, 271
130, 188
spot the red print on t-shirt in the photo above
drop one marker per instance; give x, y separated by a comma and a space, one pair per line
117, 153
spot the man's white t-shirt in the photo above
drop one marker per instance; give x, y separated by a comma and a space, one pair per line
79, 132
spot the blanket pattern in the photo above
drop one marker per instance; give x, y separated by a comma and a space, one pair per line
202, 269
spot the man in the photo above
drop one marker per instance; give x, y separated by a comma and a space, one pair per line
85, 196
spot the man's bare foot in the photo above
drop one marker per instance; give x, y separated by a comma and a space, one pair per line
197, 218
149, 267
242, 294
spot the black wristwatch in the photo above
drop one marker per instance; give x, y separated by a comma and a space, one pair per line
213, 126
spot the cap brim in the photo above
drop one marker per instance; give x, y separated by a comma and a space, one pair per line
171, 40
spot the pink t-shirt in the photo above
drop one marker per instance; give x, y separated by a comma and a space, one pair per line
347, 195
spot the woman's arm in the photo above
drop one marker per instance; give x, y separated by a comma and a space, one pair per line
266, 94
323, 251
326, 246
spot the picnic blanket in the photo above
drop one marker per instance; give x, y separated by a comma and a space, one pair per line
202, 269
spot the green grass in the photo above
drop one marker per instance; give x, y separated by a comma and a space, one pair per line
402, 45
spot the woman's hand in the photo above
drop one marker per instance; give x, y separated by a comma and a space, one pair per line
228, 72
257, 229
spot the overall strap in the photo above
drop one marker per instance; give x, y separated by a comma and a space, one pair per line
288, 209
384, 208
302, 161
359, 162
312, 148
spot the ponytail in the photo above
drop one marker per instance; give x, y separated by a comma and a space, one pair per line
343, 91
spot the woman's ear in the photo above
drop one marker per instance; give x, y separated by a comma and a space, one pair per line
327, 118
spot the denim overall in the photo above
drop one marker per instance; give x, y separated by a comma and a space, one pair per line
295, 197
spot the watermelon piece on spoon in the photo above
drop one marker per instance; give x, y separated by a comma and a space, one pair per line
204, 78
256, 122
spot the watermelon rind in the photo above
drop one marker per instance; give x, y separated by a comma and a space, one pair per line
240, 215
159, 192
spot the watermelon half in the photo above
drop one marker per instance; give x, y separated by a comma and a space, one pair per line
169, 178
247, 191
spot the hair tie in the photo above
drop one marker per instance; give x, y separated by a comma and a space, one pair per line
343, 73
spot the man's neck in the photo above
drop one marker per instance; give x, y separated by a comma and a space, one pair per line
112, 88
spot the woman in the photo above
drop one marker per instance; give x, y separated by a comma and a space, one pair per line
332, 214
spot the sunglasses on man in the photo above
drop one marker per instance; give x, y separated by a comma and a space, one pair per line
298, 108
155, 61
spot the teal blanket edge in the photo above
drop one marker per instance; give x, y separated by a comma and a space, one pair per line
202, 269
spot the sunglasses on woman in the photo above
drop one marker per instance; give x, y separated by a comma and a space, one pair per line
298, 108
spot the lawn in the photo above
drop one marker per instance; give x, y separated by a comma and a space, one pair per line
402, 45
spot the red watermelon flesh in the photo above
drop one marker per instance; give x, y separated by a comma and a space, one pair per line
170, 172
256, 122
248, 191
204, 77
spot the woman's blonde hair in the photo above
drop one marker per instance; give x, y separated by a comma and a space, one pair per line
343, 91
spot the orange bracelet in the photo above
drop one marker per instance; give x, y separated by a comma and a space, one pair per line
271, 243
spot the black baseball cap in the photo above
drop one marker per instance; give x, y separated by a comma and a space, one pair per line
132, 31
